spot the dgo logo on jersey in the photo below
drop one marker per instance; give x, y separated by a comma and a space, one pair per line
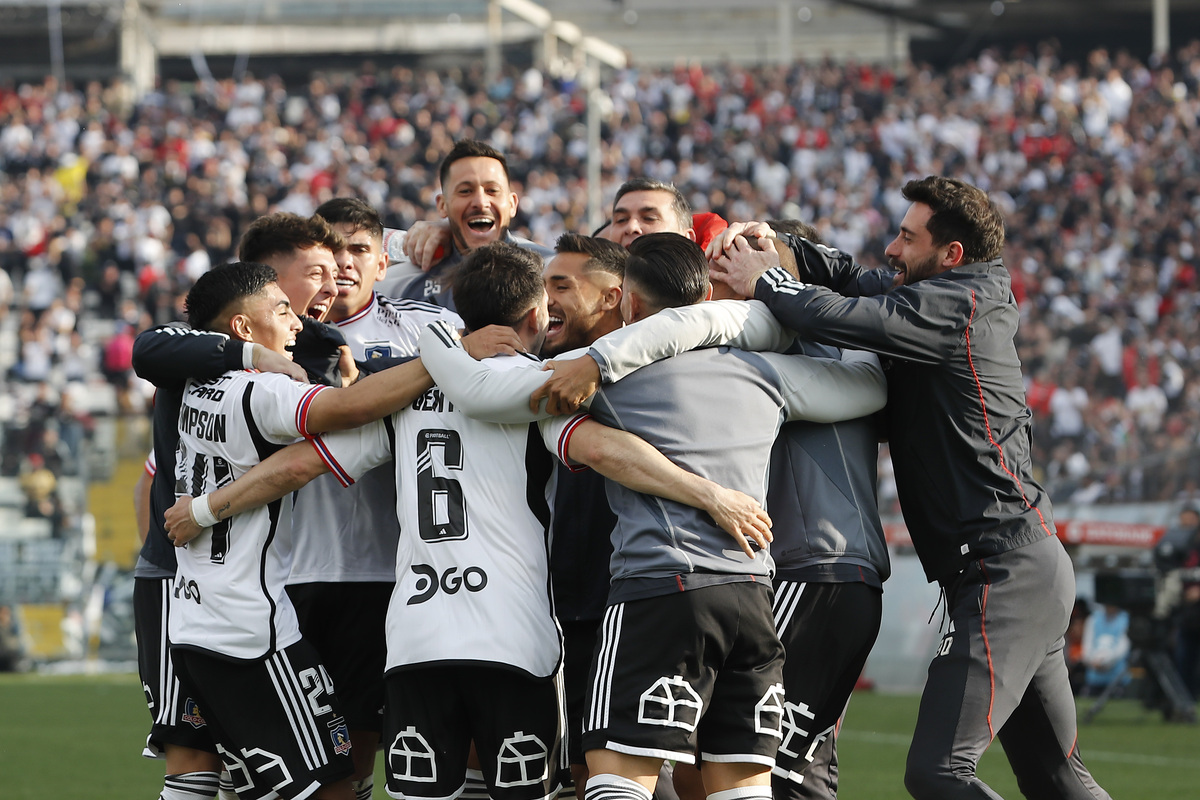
191, 714
340, 734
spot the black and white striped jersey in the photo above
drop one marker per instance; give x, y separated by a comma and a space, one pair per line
472, 574
349, 534
229, 588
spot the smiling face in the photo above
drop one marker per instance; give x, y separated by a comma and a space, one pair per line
582, 303
360, 265
307, 277
267, 318
477, 202
645, 211
913, 252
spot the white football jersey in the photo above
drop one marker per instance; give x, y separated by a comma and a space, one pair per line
229, 587
349, 534
472, 572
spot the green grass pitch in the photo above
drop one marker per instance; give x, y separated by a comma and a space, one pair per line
81, 736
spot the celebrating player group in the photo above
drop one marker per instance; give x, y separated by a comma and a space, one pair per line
380, 521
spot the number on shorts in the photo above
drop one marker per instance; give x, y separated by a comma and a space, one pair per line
317, 681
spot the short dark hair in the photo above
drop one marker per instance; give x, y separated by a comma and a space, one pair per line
796, 228
497, 284
281, 233
670, 270
221, 287
679, 203
352, 211
470, 148
961, 213
602, 254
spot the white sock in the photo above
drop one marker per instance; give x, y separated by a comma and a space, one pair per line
607, 786
743, 793
227, 792
364, 788
190, 786
475, 787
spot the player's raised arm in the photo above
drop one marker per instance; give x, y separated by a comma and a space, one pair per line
634, 463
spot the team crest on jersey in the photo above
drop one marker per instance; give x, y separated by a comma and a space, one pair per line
340, 734
378, 349
191, 714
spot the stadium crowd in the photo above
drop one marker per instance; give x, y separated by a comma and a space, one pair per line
112, 205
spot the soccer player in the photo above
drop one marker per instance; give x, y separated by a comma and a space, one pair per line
478, 204
343, 562
477, 554
645, 205
169, 355
661, 687
234, 636
959, 428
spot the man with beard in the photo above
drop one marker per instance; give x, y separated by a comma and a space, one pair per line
478, 204
959, 428
583, 284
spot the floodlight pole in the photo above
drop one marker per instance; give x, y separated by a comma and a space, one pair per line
595, 99
495, 31
54, 23
787, 13
1162, 27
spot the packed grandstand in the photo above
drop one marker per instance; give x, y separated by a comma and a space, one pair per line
111, 205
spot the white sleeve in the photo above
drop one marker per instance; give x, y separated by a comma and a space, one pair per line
280, 406
745, 324
556, 435
824, 390
350, 454
475, 387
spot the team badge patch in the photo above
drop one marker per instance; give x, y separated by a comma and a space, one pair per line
340, 734
191, 714
378, 349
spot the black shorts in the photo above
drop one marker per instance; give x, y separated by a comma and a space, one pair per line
697, 670
827, 630
345, 622
278, 724
173, 707
579, 648
433, 713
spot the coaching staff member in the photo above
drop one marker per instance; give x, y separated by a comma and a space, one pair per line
960, 432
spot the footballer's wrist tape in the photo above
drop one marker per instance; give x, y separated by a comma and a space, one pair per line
202, 513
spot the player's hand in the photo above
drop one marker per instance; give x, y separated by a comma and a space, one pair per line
426, 243
491, 341
180, 526
741, 516
573, 381
346, 366
723, 241
743, 264
265, 360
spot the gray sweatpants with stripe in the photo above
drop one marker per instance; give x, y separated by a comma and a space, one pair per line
1000, 671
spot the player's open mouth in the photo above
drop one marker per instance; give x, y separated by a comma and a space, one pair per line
481, 224
345, 287
556, 324
317, 310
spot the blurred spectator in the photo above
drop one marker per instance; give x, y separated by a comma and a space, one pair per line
1105, 648
11, 651
1095, 164
1073, 649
